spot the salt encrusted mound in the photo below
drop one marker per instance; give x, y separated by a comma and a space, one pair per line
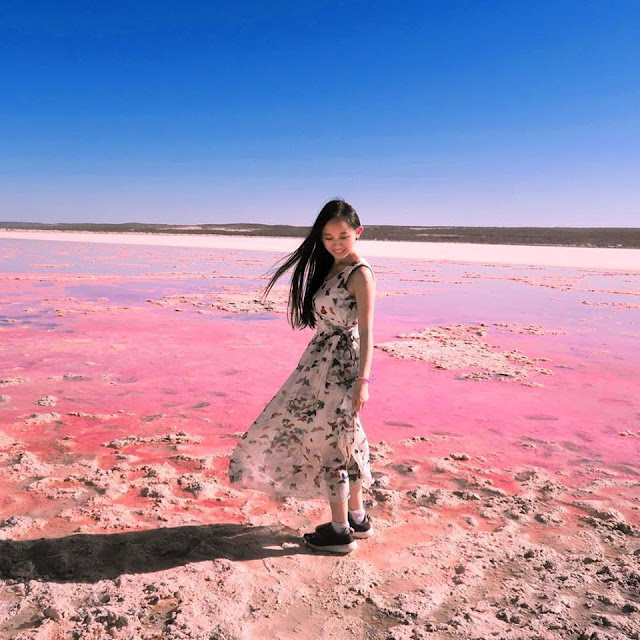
47, 401
94, 416
19, 526
229, 300
10, 382
170, 438
7, 441
617, 305
24, 465
459, 348
531, 329
42, 418
69, 376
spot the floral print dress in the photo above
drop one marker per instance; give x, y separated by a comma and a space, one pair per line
308, 442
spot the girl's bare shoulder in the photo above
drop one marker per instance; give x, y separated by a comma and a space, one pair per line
361, 277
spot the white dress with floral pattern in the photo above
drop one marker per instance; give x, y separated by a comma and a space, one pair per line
308, 442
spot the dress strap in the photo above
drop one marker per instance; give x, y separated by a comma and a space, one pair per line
357, 265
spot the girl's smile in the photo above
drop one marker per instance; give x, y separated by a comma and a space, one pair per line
339, 238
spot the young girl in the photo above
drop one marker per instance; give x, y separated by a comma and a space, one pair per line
309, 441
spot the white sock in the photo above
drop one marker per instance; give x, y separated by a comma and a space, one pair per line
358, 515
340, 527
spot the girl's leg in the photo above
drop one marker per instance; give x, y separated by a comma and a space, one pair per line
355, 497
358, 518
338, 484
339, 511
335, 535
338, 497
345, 493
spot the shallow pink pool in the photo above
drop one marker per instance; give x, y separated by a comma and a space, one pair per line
157, 338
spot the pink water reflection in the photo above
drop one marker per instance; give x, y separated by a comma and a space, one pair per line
210, 372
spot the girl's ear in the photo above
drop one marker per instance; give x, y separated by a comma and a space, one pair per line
359, 230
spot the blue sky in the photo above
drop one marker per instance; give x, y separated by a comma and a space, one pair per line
447, 112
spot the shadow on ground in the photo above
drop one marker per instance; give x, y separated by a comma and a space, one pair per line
94, 557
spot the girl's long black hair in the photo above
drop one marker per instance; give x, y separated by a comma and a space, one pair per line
312, 264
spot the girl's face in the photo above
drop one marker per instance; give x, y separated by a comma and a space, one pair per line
339, 238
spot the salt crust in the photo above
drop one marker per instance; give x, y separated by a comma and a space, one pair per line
463, 348
9, 382
229, 300
455, 555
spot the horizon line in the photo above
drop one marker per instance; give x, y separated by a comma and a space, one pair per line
293, 226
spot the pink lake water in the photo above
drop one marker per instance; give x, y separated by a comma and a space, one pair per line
146, 339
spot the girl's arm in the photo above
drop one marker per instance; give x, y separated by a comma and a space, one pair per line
362, 286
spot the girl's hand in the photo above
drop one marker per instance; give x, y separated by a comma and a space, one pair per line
360, 395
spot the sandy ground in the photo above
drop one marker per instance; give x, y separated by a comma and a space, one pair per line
578, 257
505, 429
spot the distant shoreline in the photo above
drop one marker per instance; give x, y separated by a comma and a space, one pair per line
618, 259
591, 237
